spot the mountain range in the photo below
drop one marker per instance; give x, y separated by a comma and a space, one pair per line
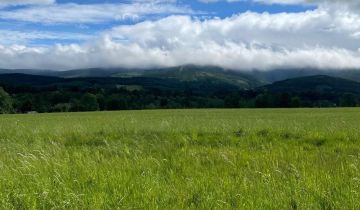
274, 80
245, 79
177, 87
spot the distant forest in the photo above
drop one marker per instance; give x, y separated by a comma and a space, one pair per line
94, 94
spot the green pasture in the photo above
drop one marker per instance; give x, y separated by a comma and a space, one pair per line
182, 159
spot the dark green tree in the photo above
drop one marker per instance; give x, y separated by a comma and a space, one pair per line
348, 100
284, 100
263, 100
117, 102
88, 102
6, 104
295, 102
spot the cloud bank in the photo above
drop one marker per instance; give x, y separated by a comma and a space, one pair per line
324, 38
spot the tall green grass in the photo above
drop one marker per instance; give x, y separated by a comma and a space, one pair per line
182, 159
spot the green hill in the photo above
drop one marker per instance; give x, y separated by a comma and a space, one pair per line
283, 74
188, 73
211, 74
197, 87
319, 83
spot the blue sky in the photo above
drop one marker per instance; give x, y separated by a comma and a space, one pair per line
221, 9
237, 34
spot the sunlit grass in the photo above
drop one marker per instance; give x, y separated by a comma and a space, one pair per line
182, 159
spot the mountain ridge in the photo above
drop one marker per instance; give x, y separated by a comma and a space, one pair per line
193, 72
317, 83
320, 83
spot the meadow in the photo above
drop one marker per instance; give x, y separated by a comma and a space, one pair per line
182, 159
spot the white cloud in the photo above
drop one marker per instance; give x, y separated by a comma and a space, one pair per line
107, 53
246, 41
4, 3
304, 1
289, 2
91, 13
289, 30
9, 37
326, 37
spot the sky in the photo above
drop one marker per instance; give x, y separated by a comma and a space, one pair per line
241, 35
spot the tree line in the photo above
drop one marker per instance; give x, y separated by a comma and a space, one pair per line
55, 99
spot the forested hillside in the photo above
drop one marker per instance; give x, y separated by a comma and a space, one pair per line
22, 93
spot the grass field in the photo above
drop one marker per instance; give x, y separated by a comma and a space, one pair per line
182, 159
